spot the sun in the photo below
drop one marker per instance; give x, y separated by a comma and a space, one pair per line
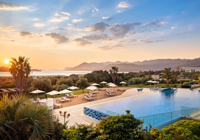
6, 61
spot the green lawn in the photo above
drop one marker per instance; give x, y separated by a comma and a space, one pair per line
148, 86
79, 91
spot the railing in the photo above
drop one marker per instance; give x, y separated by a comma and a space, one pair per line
111, 113
165, 119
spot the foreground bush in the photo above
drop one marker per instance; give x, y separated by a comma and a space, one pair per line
124, 127
22, 120
182, 130
186, 85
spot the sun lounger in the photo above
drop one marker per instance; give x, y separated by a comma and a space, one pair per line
74, 95
89, 98
38, 99
121, 89
33, 101
101, 89
109, 94
69, 96
111, 91
60, 100
94, 92
64, 98
90, 94
56, 105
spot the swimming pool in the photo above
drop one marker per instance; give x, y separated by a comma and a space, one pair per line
153, 103
148, 102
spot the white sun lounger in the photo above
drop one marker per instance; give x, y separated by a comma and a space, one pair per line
32, 100
60, 100
121, 89
38, 99
89, 98
111, 91
74, 95
69, 96
101, 89
56, 105
110, 94
64, 98
93, 92
90, 95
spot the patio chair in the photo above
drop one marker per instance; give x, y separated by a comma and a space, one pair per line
111, 91
90, 95
60, 100
93, 92
56, 105
64, 98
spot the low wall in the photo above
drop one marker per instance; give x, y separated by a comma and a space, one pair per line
94, 113
195, 86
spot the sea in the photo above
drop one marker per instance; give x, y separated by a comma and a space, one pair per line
48, 73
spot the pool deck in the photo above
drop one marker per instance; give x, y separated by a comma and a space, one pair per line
76, 111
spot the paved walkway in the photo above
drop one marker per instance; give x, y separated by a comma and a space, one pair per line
76, 111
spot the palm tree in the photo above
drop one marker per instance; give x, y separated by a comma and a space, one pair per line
166, 74
113, 73
20, 70
21, 119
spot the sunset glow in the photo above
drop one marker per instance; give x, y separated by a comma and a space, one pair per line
65, 34
6, 61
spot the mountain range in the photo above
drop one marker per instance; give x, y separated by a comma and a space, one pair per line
157, 64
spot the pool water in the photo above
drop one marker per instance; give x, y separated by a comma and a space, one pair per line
155, 102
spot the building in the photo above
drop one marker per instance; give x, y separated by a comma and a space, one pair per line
155, 76
191, 69
178, 69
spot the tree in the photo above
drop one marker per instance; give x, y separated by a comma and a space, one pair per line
41, 84
82, 83
20, 70
20, 119
166, 74
113, 73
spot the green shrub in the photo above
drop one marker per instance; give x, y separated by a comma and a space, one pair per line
184, 80
186, 85
182, 130
122, 127
71, 134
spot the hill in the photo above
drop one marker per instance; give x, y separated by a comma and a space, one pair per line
4, 69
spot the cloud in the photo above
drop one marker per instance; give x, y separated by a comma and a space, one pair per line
145, 41
60, 28
75, 28
76, 20
97, 27
12, 40
96, 37
173, 27
35, 19
181, 33
119, 11
155, 23
58, 38
120, 30
107, 18
123, 5
82, 42
60, 17
25, 34
95, 9
110, 47
10, 6
6, 28
39, 25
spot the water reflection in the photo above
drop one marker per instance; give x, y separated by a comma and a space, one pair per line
169, 93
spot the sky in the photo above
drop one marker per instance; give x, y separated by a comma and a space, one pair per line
56, 34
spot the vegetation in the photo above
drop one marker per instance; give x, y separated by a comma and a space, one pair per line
167, 75
41, 84
113, 73
122, 127
82, 83
182, 130
135, 81
20, 70
20, 119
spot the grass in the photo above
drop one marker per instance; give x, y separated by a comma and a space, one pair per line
148, 86
79, 91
